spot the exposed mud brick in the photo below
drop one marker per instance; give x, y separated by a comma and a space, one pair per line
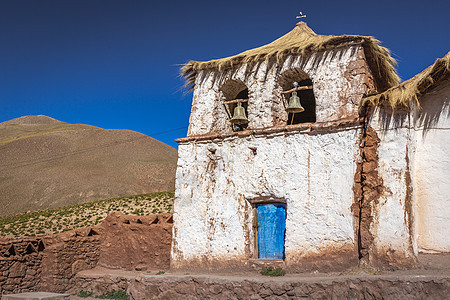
130, 241
370, 153
369, 167
355, 210
358, 177
330, 259
371, 194
371, 180
367, 191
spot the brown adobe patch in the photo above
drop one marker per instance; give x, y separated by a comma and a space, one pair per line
367, 191
128, 241
331, 258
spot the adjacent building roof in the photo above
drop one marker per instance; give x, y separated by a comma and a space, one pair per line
410, 90
302, 40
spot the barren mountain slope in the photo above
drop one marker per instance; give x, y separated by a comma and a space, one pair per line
45, 163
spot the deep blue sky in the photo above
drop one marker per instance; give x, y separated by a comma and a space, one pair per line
114, 64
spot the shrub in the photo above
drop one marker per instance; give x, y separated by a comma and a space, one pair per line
115, 294
84, 214
84, 294
273, 272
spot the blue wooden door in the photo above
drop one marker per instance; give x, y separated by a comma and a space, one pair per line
271, 219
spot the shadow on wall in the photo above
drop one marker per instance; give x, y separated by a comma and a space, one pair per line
434, 110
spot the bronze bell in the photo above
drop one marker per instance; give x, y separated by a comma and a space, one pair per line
294, 104
239, 117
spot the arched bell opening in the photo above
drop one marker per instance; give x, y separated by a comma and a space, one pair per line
235, 100
296, 83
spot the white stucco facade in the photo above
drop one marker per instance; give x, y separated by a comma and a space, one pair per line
432, 170
413, 213
300, 169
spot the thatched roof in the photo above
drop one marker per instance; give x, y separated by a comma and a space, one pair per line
303, 41
411, 90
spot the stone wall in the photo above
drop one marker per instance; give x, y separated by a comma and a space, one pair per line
50, 262
65, 255
20, 264
203, 288
46, 262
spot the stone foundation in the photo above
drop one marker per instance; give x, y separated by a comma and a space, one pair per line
144, 286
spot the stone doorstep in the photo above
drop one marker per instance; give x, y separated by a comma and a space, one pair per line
262, 263
36, 296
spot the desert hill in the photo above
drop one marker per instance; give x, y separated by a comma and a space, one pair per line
46, 163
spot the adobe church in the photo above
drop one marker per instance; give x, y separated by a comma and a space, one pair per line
306, 153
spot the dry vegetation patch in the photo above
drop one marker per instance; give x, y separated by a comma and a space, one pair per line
83, 215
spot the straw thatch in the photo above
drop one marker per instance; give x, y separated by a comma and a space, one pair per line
303, 41
411, 90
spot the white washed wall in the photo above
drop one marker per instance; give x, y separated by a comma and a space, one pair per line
390, 226
432, 170
414, 163
313, 172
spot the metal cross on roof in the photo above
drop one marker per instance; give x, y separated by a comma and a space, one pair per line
301, 16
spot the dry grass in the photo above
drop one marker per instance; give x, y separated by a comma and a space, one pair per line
304, 41
30, 126
410, 91
83, 215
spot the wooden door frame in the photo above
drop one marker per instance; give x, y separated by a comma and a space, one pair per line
254, 202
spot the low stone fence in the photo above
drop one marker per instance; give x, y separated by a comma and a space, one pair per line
20, 264
66, 255
50, 262
47, 262
144, 286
